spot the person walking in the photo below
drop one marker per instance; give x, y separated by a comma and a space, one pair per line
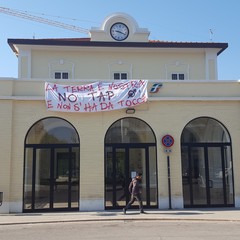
135, 192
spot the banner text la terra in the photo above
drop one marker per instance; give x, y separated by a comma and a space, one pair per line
95, 97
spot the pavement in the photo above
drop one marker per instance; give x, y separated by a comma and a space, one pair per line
213, 214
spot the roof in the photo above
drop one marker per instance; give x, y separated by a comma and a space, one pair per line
86, 42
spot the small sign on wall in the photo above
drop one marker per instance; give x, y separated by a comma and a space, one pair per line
167, 141
133, 174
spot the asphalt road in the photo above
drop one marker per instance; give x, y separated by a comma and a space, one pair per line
137, 230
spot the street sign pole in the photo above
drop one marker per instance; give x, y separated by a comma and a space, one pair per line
169, 183
168, 142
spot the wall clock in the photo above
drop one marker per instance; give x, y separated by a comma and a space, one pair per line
119, 31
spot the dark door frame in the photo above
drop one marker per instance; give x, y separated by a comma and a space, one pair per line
52, 148
127, 147
205, 147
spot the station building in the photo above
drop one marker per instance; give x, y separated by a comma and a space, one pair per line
182, 133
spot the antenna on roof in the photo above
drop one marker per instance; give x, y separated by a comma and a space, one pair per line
210, 34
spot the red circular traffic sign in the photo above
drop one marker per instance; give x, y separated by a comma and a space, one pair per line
167, 141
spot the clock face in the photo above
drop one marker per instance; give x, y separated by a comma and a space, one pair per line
119, 31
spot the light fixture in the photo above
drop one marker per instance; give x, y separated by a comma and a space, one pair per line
130, 111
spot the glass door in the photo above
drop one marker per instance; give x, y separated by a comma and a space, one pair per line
120, 177
66, 178
220, 175
137, 163
207, 176
51, 178
122, 164
42, 179
115, 177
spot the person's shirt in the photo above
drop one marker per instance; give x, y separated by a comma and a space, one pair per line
134, 187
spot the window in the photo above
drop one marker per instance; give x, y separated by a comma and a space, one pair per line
181, 76
120, 76
64, 75
207, 170
61, 75
176, 76
52, 164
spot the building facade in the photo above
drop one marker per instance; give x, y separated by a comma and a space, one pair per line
184, 138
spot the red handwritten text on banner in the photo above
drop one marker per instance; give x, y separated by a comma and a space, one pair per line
95, 97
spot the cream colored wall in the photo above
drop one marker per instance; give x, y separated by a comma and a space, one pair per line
171, 118
24, 67
162, 115
91, 131
136, 34
170, 89
6, 147
147, 64
212, 71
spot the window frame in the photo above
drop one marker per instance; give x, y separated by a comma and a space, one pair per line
121, 74
178, 76
62, 73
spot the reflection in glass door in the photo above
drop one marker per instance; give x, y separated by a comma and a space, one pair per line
207, 175
42, 179
137, 163
51, 178
120, 180
198, 176
66, 178
122, 164
115, 181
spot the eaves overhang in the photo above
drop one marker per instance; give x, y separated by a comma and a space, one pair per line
87, 43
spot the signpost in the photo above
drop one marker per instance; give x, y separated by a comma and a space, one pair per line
168, 142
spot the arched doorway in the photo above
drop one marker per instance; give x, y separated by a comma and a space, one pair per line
130, 147
207, 169
51, 167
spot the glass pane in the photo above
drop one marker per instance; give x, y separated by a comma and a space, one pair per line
61, 178
186, 176
28, 174
204, 130
215, 175
42, 179
198, 176
120, 177
123, 76
57, 75
52, 130
75, 178
130, 130
109, 177
153, 176
116, 76
181, 76
228, 174
137, 163
174, 76
64, 75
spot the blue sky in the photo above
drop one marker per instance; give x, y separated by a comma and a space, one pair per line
169, 20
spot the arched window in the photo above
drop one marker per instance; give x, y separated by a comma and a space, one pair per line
51, 172
130, 147
205, 130
130, 130
207, 169
52, 131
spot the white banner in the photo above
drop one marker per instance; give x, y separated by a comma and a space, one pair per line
95, 97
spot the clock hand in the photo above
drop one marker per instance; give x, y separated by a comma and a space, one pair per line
119, 32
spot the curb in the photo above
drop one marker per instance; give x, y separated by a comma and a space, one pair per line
118, 219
